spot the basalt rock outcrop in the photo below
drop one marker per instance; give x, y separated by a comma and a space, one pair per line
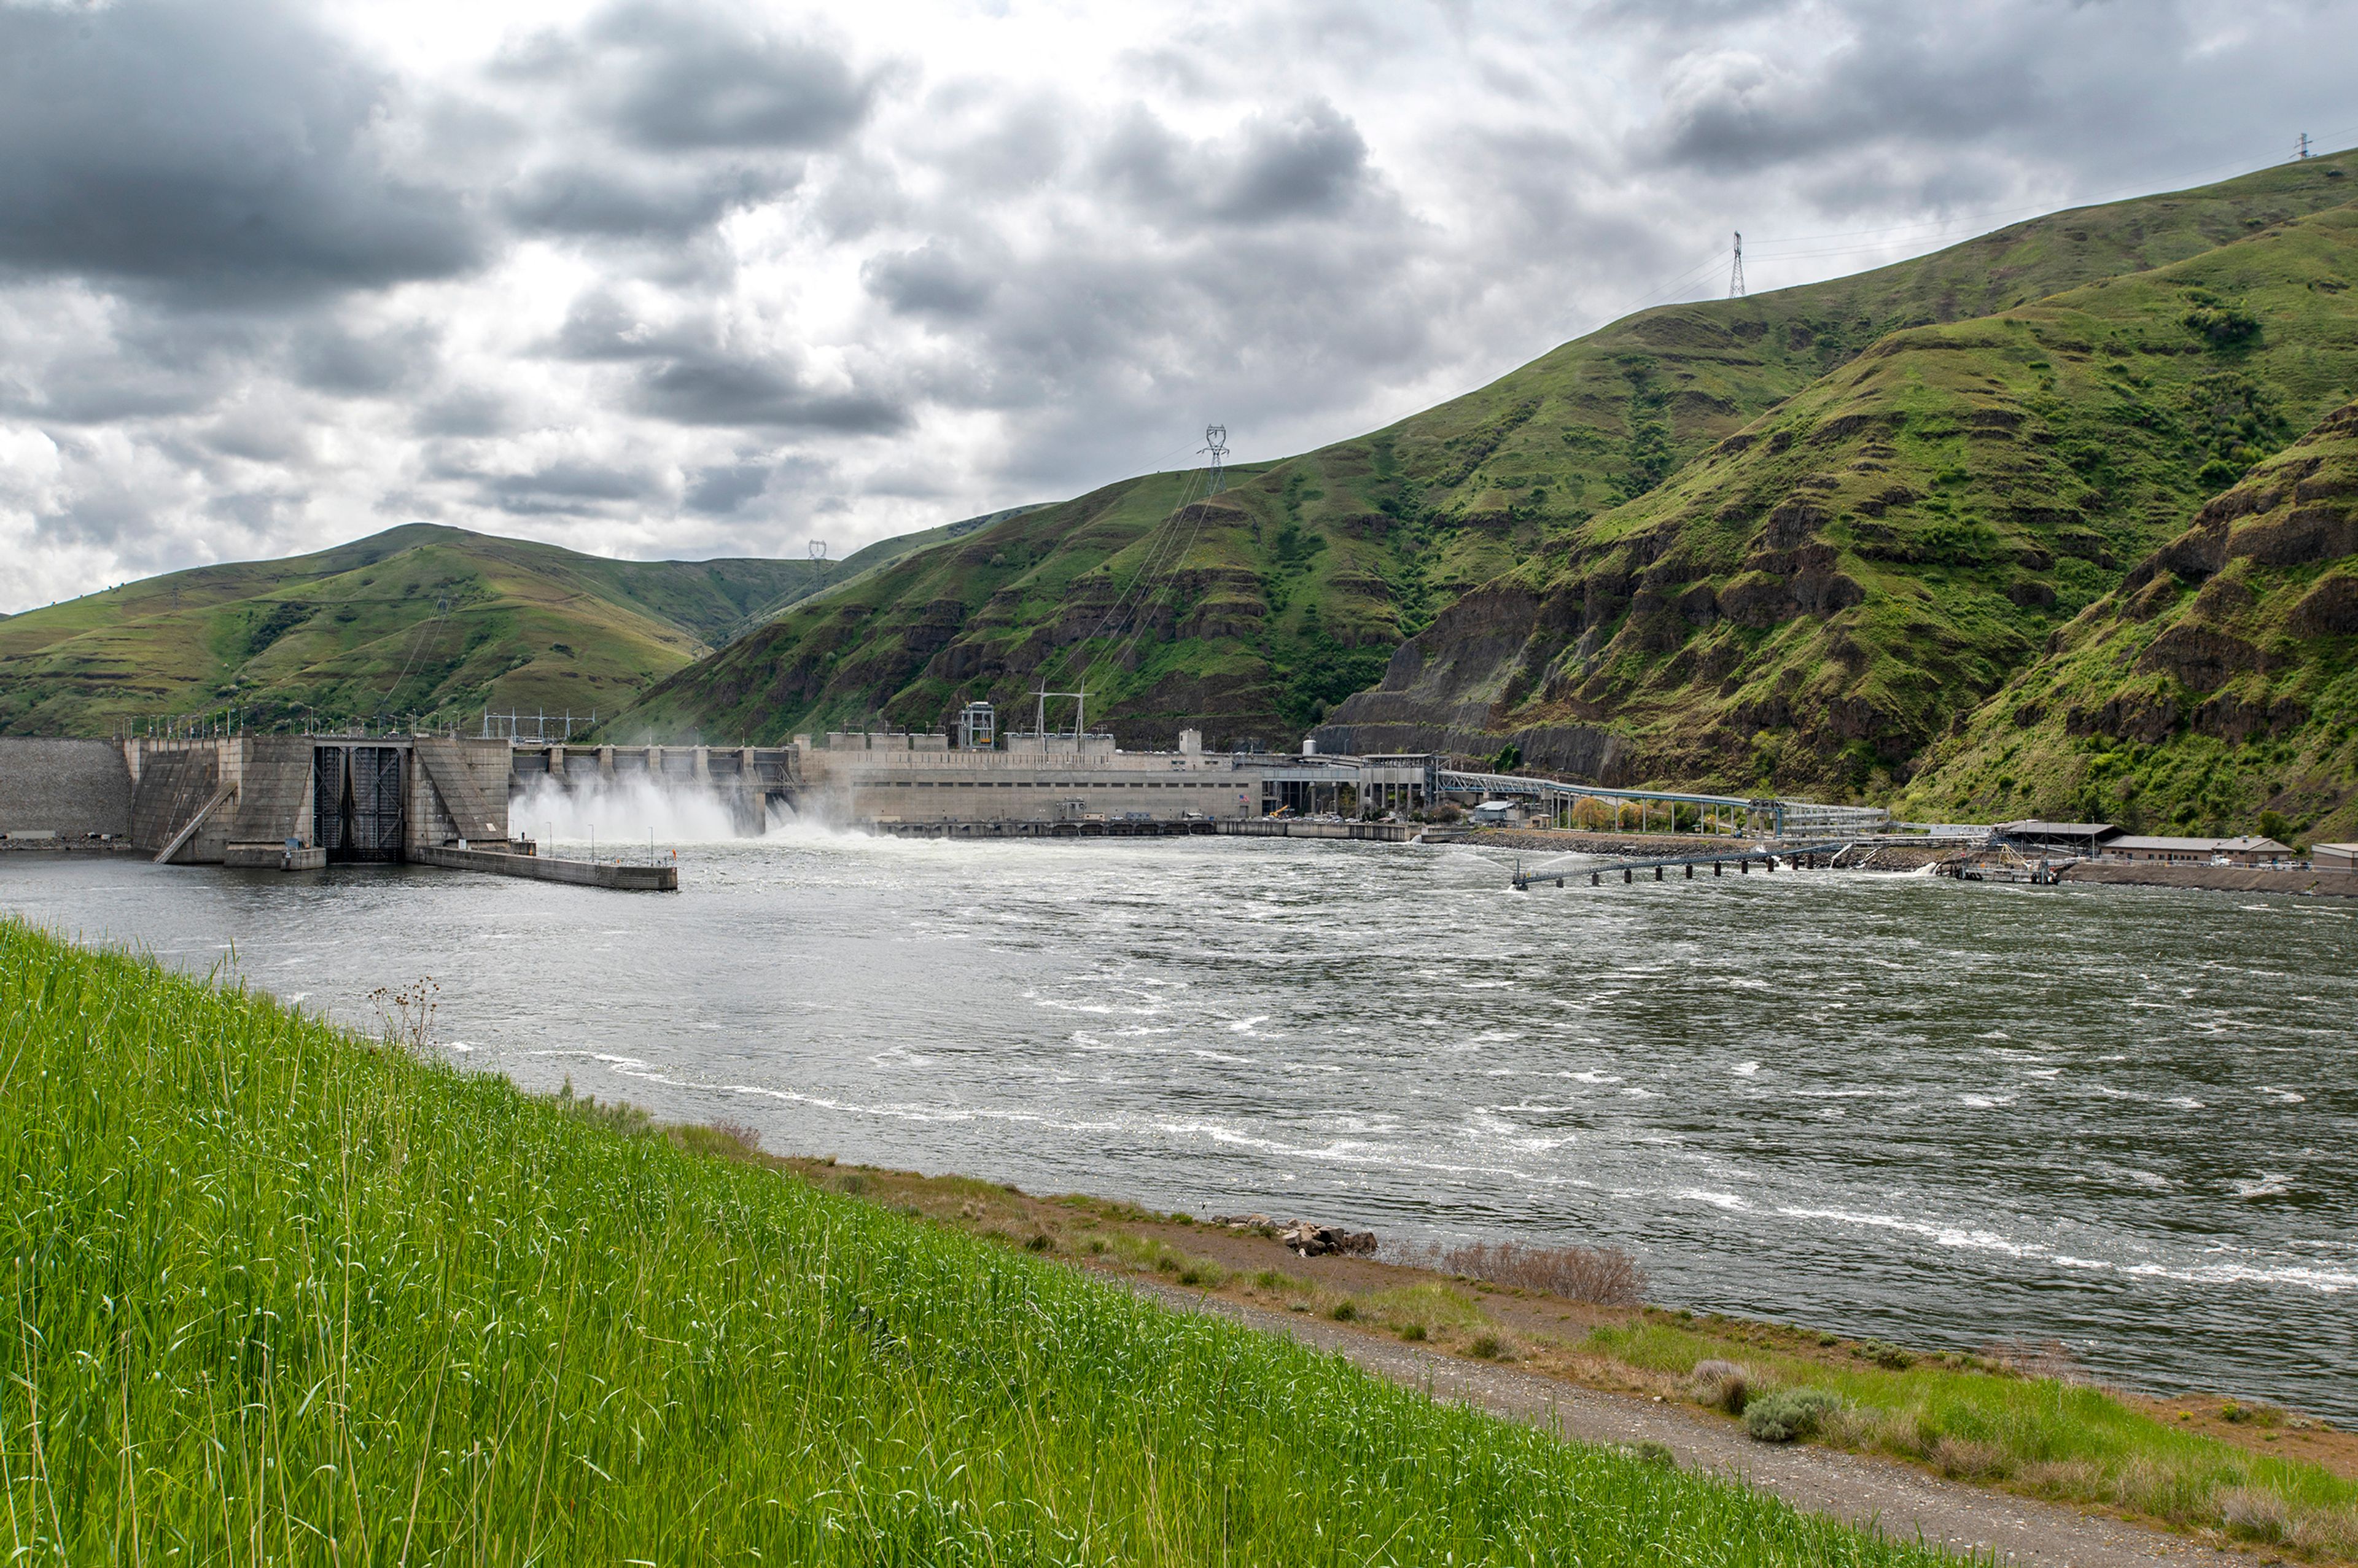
2220, 681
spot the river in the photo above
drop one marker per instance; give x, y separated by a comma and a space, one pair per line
1890, 1106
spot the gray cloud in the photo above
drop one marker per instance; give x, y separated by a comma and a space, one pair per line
581, 199
674, 78
718, 491
665, 275
744, 392
331, 357
222, 152
567, 485
1311, 163
929, 281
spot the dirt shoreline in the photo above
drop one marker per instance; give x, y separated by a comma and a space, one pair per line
1875, 1493
1547, 1375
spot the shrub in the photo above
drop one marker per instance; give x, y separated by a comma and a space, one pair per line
1853, 1426
1344, 1311
1414, 1331
1652, 1454
1967, 1460
1789, 1413
1605, 1276
1722, 1383
2254, 1515
1490, 1347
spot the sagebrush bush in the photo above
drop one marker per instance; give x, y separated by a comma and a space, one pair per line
2254, 1515
1725, 1384
1789, 1413
1605, 1276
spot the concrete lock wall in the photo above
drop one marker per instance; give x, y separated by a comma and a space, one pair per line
917, 778
70, 788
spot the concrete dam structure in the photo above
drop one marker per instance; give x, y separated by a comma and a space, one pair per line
1014, 783
254, 800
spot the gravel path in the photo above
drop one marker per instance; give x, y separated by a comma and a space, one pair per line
1901, 1501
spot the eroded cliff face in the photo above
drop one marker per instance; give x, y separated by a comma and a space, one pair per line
1818, 599
2220, 681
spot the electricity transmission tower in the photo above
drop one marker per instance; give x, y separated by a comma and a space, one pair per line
2304, 144
1216, 443
1736, 274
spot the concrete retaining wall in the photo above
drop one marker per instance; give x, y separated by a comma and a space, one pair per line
1380, 832
68, 788
580, 873
2219, 879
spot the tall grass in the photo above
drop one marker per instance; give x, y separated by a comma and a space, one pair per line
1604, 1275
274, 1293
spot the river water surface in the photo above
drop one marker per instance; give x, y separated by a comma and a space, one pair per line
1884, 1104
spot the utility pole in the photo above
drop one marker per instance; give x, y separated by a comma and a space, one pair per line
1736, 274
1216, 443
2304, 144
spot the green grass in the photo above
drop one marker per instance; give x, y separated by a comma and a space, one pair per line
275, 1292
2073, 1442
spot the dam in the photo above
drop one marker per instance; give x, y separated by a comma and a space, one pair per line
304, 801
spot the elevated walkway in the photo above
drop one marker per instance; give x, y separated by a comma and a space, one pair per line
1796, 856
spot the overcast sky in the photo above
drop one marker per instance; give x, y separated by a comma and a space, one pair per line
680, 280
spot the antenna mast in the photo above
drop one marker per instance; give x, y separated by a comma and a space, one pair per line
1216, 443
1736, 274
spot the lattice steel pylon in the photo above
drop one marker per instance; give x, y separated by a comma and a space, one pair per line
1215, 444
1736, 272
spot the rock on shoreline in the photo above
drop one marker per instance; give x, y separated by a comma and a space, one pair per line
1304, 1237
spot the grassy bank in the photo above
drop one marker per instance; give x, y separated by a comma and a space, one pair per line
276, 1292
2012, 1418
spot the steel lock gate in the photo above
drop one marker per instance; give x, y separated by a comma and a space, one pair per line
356, 802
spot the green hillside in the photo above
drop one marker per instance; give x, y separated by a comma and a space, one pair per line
421, 619
1256, 613
1816, 599
2215, 690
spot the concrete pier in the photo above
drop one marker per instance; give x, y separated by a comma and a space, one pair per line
536, 868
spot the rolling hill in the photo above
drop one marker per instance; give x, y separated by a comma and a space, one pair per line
1814, 600
422, 618
1528, 563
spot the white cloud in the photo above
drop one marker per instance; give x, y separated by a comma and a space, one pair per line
671, 279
